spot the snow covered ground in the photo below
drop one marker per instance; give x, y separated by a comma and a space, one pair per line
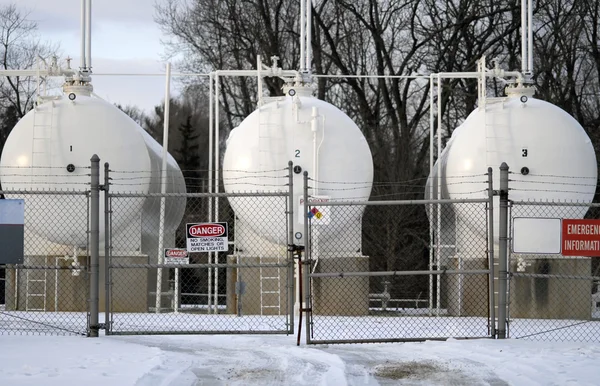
276, 360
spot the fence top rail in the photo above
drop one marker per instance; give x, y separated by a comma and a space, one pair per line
399, 202
201, 195
556, 203
46, 192
150, 266
554, 276
402, 273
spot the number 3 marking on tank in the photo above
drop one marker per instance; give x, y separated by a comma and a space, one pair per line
297, 153
524, 153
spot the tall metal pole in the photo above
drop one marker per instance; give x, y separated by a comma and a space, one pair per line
82, 61
88, 27
94, 246
431, 207
163, 189
107, 249
308, 35
438, 290
291, 244
211, 130
524, 56
302, 35
491, 251
530, 36
503, 252
216, 186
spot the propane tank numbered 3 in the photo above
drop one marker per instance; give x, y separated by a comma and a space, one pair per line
207, 237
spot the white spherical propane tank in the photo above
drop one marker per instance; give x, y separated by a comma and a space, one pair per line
550, 156
50, 149
319, 139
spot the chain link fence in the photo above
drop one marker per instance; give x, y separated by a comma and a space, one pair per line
379, 273
244, 288
46, 290
553, 294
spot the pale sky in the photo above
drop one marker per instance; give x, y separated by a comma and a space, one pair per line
125, 39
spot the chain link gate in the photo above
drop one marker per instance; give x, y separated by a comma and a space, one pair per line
47, 293
382, 279
551, 296
247, 288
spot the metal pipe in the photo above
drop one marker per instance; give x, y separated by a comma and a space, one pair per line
216, 186
438, 293
431, 233
524, 55
88, 25
107, 249
307, 257
491, 245
302, 35
82, 61
291, 244
530, 36
503, 252
313, 128
309, 35
211, 130
402, 273
259, 96
94, 246
163, 187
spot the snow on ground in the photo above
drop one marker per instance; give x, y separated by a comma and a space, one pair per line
276, 360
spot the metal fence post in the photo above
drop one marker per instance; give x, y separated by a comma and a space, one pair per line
491, 251
307, 260
107, 249
290, 215
503, 252
94, 246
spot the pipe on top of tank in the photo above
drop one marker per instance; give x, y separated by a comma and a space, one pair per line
88, 22
82, 62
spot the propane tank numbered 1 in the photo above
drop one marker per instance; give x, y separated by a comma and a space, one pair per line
207, 237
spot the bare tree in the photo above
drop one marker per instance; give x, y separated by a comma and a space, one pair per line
20, 48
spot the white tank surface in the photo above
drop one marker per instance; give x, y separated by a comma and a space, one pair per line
318, 138
50, 149
550, 156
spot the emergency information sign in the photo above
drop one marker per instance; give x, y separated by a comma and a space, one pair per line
580, 237
207, 237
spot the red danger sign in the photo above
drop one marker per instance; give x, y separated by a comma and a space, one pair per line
207, 237
580, 237
207, 230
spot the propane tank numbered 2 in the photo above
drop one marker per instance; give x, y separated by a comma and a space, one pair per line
207, 237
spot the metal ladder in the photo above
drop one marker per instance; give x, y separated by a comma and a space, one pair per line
43, 122
33, 282
497, 124
267, 281
271, 144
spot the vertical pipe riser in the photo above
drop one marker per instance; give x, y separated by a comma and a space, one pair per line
307, 258
291, 287
107, 249
503, 252
94, 245
491, 252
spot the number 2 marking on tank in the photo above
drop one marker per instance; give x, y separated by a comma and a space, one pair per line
297, 155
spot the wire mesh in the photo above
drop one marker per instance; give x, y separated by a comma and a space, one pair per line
47, 292
244, 289
551, 296
379, 273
